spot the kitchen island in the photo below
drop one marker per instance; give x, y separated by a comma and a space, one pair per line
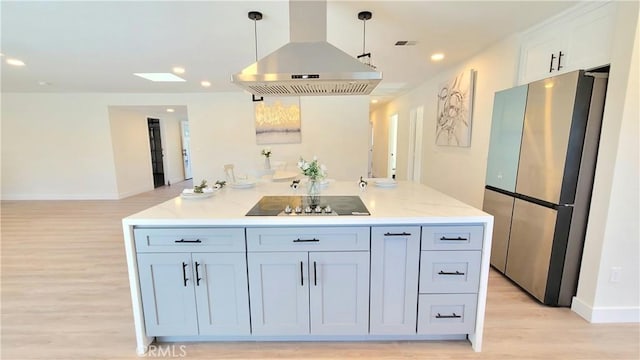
416, 268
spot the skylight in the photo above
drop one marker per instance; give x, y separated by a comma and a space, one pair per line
160, 77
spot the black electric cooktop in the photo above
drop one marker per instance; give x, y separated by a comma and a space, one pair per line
302, 205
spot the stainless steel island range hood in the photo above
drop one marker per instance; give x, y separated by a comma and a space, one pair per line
308, 65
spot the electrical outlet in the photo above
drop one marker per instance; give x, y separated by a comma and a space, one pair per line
615, 274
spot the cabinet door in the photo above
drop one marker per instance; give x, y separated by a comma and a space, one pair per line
168, 298
339, 292
395, 254
536, 52
590, 39
506, 134
221, 293
279, 293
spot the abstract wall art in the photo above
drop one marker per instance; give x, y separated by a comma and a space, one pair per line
278, 121
455, 109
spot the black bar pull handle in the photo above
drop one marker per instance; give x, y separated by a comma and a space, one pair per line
198, 278
397, 234
184, 273
454, 316
560, 55
315, 275
459, 238
196, 241
450, 273
301, 274
306, 240
553, 57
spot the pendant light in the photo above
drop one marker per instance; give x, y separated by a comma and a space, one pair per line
255, 16
365, 57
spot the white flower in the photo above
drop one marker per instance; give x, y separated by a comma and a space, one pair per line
305, 166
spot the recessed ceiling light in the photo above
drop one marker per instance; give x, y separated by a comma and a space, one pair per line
160, 77
15, 62
205, 83
437, 57
170, 110
374, 101
178, 70
44, 83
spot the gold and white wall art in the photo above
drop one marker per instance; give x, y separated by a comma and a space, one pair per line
278, 121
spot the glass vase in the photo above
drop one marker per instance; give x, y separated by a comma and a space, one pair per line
267, 163
313, 190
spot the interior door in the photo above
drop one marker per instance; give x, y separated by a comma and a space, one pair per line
157, 158
392, 146
416, 123
186, 149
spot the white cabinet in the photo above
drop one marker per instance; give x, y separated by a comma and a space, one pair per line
222, 298
309, 280
279, 293
299, 293
395, 252
186, 292
339, 293
449, 279
168, 298
580, 39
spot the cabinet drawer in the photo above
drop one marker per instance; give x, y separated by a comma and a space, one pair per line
189, 239
449, 271
308, 238
446, 314
461, 237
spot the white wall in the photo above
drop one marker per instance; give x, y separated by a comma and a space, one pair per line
333, 128
59, 146
613, 237
56, 146
131, 151
456, 171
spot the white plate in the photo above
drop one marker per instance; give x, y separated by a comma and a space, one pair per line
243, 184
197, 195
385, 183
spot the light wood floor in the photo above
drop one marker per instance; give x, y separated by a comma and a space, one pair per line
65, 295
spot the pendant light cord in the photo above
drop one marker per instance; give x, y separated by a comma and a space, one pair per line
364, 34
255, 36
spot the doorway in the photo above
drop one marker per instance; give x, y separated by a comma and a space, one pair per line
155, 142
393, 146
414, 165
186, 152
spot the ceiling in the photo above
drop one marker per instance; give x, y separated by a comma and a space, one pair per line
96, 46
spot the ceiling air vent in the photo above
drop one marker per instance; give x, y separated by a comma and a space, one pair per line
405, 43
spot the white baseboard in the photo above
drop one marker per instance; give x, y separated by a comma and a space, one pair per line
609, 314
32, 196
132, 193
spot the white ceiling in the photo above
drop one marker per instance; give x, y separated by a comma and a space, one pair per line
96, 46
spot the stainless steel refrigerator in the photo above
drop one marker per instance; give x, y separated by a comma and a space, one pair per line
542, 157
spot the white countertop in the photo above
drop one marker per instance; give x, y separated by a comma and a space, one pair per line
407, 203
